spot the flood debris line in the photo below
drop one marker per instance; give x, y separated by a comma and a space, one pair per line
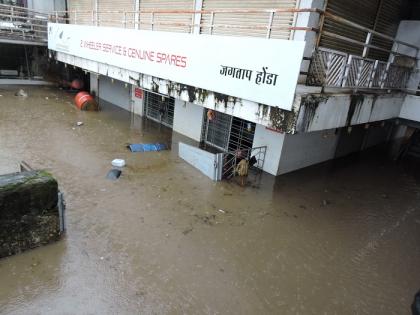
147, 147
29, 212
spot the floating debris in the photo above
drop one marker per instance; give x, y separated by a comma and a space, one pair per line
147, 147
118, 163
21, 93
113, 174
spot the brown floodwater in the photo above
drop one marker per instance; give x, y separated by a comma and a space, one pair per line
338, 238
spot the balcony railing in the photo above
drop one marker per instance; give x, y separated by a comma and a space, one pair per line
261, 22
336, 69
22, 24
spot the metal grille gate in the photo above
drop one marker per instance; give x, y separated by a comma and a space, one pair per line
160, 108
217, 131
228, 133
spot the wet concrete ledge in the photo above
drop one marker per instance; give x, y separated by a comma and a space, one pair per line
29, 215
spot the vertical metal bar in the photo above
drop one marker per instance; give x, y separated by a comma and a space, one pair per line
321, 24
198, 7
346, 71
152, 20
75, 16
270, 24
294, 22
125, 19
372, 74
27, 62
211, 23
93, 17
56, 16
367, 42
137, 14
96, 13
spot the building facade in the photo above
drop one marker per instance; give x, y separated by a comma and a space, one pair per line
298, 82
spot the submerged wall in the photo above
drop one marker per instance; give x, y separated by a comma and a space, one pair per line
29, 215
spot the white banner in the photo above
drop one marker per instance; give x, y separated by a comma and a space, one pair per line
255, 69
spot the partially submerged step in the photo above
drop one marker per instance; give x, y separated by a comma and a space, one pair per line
29, 211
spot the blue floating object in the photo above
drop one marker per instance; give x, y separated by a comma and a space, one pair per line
147, 147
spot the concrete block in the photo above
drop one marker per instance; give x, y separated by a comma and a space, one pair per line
29, 215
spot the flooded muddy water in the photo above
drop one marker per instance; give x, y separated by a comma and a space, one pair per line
337, 238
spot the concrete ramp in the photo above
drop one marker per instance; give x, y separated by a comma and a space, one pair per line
209, 164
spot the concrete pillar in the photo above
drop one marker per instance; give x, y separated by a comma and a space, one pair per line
94, 84
310, 37
137, 100
305, 149
188, 119
274, 142
198, 6
115, 92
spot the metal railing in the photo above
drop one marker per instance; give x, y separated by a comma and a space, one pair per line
22, 24
331, 68
230, 159
192, 21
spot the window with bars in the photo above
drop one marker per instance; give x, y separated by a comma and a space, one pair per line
160, 108
228, 133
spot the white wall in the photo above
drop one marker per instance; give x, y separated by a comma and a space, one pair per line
334, 112
411, 108
114, 92
188, 119
302, 150
274, 142
408, 31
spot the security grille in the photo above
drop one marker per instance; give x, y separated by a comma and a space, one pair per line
228, 133
218, 130
160, 108
241, 134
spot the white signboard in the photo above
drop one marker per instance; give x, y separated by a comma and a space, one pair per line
255, 69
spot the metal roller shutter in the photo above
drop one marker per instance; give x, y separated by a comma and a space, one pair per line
380, 15
84, 11
177, 22
109, 17
255, 23
387, 22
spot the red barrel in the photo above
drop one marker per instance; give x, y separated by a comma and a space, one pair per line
85, 101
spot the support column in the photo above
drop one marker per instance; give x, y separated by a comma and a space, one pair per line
310, 37
198, 6
188, 119
274, 142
